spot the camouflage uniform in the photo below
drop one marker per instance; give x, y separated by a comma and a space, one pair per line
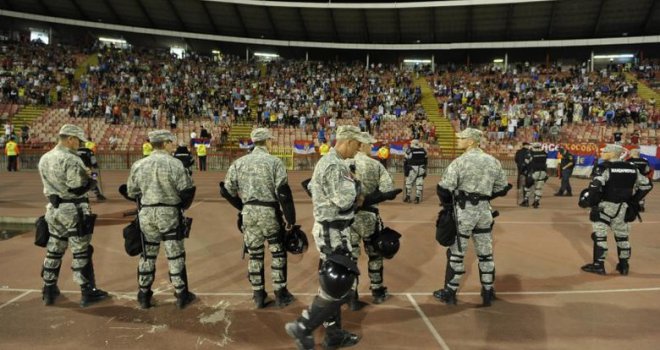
256, 178
474, 172
415, 159
61, 169
158, 181
610, 212
373, 176
536, 167
66, 184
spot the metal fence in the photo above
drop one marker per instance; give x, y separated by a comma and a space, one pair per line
221, 160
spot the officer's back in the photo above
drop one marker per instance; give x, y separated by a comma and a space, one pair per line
160, 177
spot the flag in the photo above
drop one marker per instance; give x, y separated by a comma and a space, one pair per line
205, 141
398, 147
652, 154
245, 143
303, 147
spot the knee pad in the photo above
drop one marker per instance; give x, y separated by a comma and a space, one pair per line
450, 272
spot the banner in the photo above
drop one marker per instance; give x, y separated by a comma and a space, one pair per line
197, 141
398, 147
303, 147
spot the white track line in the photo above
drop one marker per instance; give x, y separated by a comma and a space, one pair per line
426, 320
243, 294
16, 298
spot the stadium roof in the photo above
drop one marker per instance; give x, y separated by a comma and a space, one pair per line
370, 22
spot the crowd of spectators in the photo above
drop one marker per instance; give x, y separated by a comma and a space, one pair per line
542, 99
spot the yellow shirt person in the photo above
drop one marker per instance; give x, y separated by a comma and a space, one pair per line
146, 148
324, 149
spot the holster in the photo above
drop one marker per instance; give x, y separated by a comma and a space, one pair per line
185, 225
133, 238
594, 214
55, 200
632, 212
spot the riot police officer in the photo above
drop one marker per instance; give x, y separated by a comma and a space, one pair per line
415, 166
66, 182
519, 158
643, 167
613, 195
537, 175
466, 188
183, 154
335, 196
162, 201
263, 184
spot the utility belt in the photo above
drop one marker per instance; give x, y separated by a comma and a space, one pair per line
274, 205
179, 233
338, 225
463, 197
85, 223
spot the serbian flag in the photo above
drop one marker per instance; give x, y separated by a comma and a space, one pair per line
303, 147
652, 154
398, 147
205, 141
245, 143
374, 149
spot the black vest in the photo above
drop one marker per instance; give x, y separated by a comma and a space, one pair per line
418, 156
567, 158
538, 161
619, 186
641, 164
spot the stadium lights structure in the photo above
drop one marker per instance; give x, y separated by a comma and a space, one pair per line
380, 5
624, 55
112, 40
265, 54
412, 60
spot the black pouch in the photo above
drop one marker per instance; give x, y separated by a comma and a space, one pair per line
631, 212
88, 223
594, 214
445, 228
133, 238
184, 227
42, 233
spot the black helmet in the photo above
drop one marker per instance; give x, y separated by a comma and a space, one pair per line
337, 274
584, 201
295, 241
387, 242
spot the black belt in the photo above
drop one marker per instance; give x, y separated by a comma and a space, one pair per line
160, 205
336, 224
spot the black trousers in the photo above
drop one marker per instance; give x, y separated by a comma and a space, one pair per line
202, 163
12, 163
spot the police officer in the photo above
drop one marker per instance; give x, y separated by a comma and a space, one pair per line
66, 183
536, 175
519, 158
12, 151
416, 162
566, 167
164, 189
201, 154
472, 179
613, 194
334, 199
183, 154
262, 182
377, 186
643, 167
87, 153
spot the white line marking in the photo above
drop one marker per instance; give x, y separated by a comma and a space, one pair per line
522, 222
426, 320
417, 294
16, 298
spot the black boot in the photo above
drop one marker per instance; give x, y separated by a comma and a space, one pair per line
558, 194
144, 299
283, 297
301, 329
596, 267
487, 296
623, 267
446, 295
536, 204
380, 295
185, 297
100, 198
259, 297
91, 295
407, 199
336, 337
49, 294
417, 200
302, 336
525, 203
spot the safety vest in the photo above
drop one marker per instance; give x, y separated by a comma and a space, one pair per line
201, 150
324, 149
146, 149
383, 153
11, 148
90, 146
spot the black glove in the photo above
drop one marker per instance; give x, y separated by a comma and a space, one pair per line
305, 184
239, 222
123, 190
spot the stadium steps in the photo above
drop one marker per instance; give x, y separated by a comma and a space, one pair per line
444, 131
643, 90
27, 115
239, 131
